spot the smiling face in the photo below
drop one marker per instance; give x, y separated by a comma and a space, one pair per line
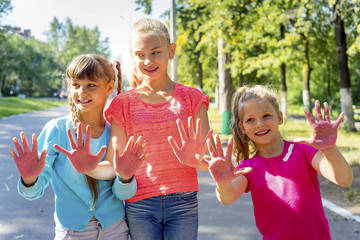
151, 54
90, 95
260, 122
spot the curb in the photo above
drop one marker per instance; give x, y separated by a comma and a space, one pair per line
335, 208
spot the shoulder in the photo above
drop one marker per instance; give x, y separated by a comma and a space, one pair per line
188, 90
59, 123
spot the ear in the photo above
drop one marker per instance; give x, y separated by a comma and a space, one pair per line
110, 87
242, 128
281, 119
172, 50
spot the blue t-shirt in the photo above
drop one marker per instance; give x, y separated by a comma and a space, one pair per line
73, 198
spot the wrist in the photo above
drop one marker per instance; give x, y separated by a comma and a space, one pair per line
125, 180
29, 182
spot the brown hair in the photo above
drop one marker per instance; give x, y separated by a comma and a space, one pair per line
243, 146
146, 27
91, 66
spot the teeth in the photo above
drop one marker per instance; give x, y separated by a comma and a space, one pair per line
263, 132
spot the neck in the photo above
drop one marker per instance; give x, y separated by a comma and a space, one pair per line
163, 85
271, 150
96, 121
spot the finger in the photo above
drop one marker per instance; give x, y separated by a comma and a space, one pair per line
88, 136
209, 134
34, 143
43, 157
211, 149
143, 157
218, 144
198, 129
229, 148
18, 146
129, 144
71, 139
191, 128
309, 116
116, 148
25, 142
339, 120
326, 112
80, 135
181, 129
203, 160
138, 145
173, 144
101, 152
13, 154
242, 171
63, 150
318, 111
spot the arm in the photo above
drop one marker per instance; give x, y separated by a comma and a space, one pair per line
329, 161
125, 155
230, 182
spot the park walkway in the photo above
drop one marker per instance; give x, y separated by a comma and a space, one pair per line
33, 220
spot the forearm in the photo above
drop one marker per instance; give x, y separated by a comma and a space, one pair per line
339, 170
225, 193
104, 171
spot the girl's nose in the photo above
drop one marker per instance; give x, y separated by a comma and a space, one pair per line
147, 60
82, 90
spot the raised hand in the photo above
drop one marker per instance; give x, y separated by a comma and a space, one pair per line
191, 143
80, 155
221, 167
130, 160
28, 162
324, 132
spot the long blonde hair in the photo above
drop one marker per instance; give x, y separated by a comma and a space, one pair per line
146, 27
90, 66
243, 146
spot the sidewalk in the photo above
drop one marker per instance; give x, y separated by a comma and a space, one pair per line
33, 220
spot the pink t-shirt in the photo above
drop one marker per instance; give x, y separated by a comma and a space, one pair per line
286, 195
161, 173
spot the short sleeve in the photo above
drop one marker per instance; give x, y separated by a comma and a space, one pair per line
115, 110
197, 98
308, 152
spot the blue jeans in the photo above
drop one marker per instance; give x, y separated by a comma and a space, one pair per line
166, 217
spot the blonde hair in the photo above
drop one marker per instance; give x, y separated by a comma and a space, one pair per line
146, 27
243, 146
94, 67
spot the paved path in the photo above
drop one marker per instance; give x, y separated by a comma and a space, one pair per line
33, 220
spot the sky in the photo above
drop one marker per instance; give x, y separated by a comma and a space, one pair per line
113, 18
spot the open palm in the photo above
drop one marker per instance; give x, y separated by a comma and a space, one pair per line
28, 162
324, 132
191, 143
80, 155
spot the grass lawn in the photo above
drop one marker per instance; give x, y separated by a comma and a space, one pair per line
13, 105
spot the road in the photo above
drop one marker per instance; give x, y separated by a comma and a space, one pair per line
33, 220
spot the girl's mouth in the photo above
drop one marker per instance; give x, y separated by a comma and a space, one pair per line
262, 133
82, 101
151, 70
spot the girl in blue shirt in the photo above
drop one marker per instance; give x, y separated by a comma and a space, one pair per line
87, 205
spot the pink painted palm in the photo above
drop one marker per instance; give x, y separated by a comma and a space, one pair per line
324, 132
80, 155
28, 162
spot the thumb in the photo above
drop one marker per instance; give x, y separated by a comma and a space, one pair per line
101, 152
173, 144
302, 140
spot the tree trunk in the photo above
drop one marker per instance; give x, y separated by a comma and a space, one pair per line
328, 78
345, 88
199, 70
283, 79
306, 74
226, 88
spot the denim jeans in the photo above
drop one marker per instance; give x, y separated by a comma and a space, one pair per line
166, 217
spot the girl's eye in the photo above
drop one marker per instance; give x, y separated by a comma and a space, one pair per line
156, 53
249, 120
267, 115
92, 85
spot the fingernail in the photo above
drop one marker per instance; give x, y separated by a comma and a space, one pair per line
22, 135
146, 155
143, 145
326, 104
117, 147
198, 157
15, 140
11, 152
317, 103
247, 169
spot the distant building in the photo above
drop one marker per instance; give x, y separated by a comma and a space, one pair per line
16, 30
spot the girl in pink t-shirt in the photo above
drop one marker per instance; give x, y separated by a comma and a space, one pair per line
281, 175
157, 109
